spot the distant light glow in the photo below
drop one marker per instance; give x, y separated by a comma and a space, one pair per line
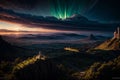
71, 49
20, 27
7, 28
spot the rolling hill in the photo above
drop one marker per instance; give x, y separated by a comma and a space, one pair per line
10, 52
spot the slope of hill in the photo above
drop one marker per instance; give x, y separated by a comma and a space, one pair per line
104, 71
40, 70
112, 44
10, 52
3, 43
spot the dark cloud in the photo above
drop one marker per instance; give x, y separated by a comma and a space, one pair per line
34, 7
23, 4
106, 10
75, 23
5, 30
101, 10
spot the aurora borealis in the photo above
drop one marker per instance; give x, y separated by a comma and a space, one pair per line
100, 10
66, 8
61, 9
50, 15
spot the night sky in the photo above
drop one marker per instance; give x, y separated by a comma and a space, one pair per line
50, 15
102, 10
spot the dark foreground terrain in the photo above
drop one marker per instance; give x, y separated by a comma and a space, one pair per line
66, 65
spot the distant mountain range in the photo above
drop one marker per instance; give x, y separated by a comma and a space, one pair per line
57, 36
63, 36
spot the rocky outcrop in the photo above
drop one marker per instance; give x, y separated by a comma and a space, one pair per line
111, 44
92, 37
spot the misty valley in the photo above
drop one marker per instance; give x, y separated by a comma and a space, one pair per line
67, 56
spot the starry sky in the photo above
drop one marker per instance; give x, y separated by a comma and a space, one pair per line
34, 15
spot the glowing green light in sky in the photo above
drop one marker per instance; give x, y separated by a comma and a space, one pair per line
66, 8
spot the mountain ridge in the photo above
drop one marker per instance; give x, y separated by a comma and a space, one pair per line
111, 44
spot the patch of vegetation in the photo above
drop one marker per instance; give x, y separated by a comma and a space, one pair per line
103, 71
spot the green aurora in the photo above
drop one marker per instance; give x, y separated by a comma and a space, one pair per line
66, 8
